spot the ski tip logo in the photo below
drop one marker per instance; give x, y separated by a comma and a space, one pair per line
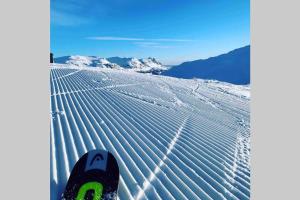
97, 159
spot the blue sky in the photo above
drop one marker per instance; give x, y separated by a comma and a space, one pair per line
173, 31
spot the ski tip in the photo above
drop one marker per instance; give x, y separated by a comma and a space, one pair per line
94, 176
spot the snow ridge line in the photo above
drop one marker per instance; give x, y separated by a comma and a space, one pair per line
105, 119
122, 186
241, 153
91, 89
168, 167
144, 113
93, 113
174, 167
157, 169
71, 73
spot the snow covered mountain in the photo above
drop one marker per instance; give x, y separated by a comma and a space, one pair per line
141, 65
86, 61
104, 63
232, 67
130, 63
173, 138
146, 65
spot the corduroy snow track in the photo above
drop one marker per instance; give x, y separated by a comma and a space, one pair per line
173, 138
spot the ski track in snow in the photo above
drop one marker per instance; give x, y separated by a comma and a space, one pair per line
173, 138
157, 169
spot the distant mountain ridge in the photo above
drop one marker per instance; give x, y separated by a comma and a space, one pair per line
232, 67
144, 65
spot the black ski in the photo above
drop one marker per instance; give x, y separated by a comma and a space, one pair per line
95, 176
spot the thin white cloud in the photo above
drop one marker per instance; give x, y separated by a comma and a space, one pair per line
173, 40
152, 45
115, 38
147, 43
112, 38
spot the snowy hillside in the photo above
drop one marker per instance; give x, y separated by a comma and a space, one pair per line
232, 67
141, 65
173, 138
146, 65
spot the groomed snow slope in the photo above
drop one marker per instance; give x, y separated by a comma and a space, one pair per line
173, 138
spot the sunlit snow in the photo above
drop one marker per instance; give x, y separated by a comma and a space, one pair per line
173, 138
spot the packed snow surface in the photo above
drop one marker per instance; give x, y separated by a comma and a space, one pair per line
173, 138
